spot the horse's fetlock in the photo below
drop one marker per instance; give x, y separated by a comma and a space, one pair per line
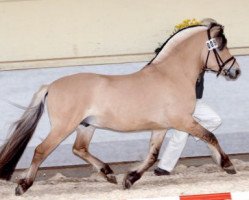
130, 179
106, 169
133, 176
226, 162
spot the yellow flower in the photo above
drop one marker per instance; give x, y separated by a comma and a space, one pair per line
186, 23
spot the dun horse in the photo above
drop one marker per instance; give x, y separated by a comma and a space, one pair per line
158, 97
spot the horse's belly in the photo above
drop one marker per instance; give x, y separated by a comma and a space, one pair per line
129, 127
128, 123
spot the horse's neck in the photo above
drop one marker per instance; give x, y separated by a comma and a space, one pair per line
182, 57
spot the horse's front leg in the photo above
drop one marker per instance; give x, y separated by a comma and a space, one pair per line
222, 159
155, 145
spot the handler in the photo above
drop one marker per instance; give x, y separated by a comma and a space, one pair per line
203, 114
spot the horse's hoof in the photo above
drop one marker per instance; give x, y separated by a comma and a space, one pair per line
126, 184
230, 170
19, 190
111, 178
130, 179
22, 187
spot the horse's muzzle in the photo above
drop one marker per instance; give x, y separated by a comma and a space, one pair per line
234, 73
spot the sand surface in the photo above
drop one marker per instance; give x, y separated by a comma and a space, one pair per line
207, 178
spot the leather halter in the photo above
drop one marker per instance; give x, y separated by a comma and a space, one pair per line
212, 46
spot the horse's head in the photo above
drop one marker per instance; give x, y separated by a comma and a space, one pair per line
217, 56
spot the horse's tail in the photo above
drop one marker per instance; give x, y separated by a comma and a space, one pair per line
23, 130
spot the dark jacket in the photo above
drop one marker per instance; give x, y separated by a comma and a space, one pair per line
199, 87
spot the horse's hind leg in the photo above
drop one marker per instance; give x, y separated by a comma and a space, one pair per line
55, 137
80, 148
195, 129
155, 145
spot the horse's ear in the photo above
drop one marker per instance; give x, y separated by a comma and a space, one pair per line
217, 32
215, 28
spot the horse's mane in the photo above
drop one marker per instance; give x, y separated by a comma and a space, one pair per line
209, 24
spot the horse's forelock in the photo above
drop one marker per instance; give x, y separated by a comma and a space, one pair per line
207, 21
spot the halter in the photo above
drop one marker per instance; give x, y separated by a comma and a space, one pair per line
213, 46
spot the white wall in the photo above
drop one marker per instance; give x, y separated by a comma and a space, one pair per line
228, 98
43, 33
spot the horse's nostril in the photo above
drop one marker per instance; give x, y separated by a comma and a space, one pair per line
237, 72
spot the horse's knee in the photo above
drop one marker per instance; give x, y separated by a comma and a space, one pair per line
39, 153
195, 129
210, 138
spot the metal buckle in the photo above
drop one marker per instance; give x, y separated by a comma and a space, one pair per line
212, 44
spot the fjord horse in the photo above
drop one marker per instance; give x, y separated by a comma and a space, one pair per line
158, 97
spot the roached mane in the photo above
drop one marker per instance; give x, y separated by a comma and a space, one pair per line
210, 23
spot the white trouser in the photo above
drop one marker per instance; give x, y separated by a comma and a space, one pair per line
206, 117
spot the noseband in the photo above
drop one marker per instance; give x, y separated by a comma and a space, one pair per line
212, 46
